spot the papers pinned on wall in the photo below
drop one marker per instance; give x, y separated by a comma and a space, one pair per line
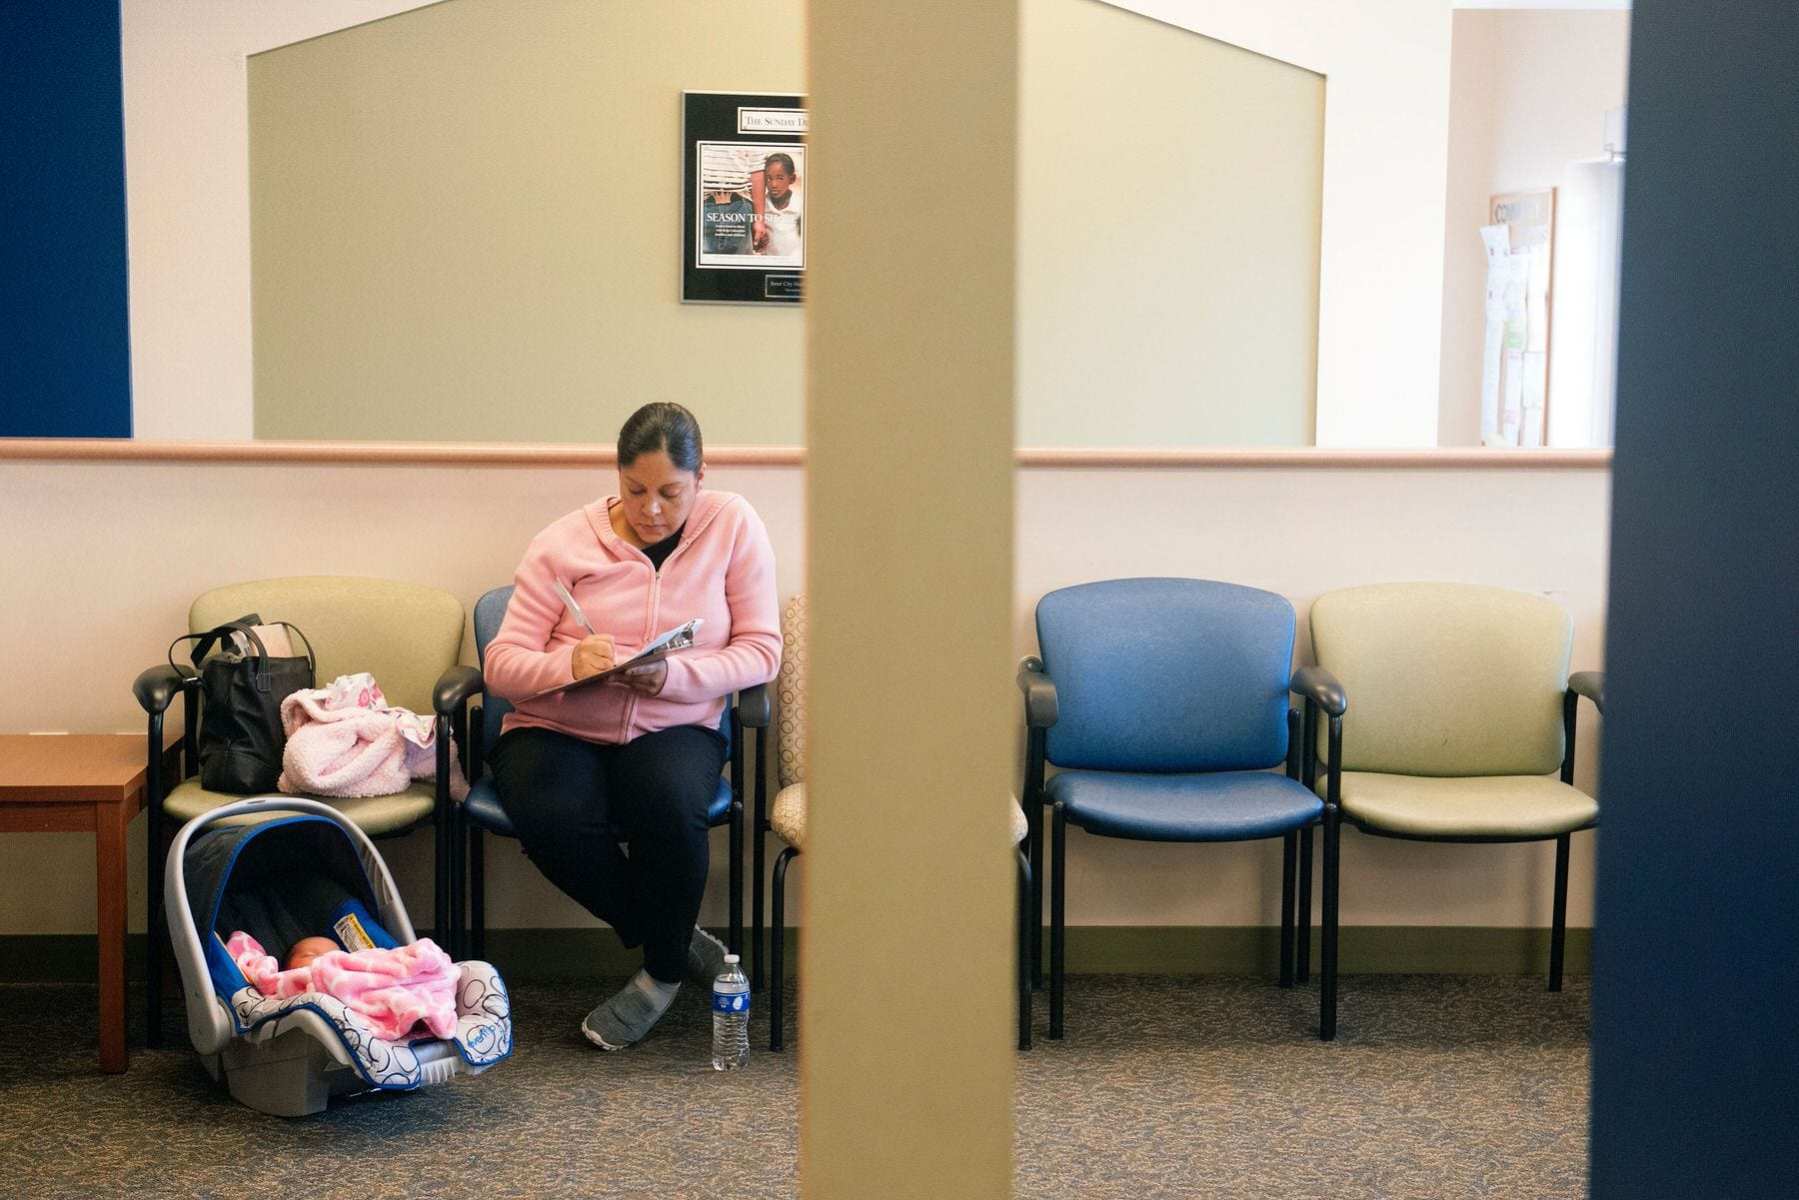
1515, 360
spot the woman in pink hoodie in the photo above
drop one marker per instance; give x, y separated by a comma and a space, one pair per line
641, 754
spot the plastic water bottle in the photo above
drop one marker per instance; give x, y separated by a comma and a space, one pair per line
730, 1018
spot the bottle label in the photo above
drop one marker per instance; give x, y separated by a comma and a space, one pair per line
730, 1002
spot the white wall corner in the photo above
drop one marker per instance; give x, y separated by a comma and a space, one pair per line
1386, 131
187, 188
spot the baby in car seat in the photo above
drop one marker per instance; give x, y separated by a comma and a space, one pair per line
403, 992
302, 952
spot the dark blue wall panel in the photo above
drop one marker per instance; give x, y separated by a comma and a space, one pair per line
1696, 950
65, 351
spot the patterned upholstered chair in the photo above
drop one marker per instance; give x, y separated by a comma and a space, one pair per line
406, 635
1163, 704
1460, 720
788, 820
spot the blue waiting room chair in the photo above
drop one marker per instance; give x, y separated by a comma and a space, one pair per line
1163, 704
482, 814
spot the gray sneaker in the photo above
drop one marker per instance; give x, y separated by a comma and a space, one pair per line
624, 1019
705, 957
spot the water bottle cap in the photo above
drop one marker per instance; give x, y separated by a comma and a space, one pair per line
731, 958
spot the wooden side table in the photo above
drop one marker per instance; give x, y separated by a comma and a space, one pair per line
59, 783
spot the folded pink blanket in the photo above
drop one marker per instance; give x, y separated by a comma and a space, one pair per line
392, 990
345, 740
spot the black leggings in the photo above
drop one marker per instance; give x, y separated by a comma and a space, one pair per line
572, 802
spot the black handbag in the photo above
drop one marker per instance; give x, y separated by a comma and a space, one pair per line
241, 738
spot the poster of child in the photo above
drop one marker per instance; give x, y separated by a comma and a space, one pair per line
784, 242
743, 199
751, 206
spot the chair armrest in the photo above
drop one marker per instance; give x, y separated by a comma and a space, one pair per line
1318, 686
1590, 684
1040, 705
454, 687
157, 687
754, 708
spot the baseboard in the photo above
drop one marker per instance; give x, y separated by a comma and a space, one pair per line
61, 957
594, 953
1362, 949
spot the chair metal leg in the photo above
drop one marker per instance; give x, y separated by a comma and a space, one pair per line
1327, 950
156, 922
736, 872
1033, 811
157, 934
1058, 918
777, 947
1024, 951
156, 929
735, 940
440, 883
458, 840
759, 872
477, 892
1558, 931
1302, 950
1289, 877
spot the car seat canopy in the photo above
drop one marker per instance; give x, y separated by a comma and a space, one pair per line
279, 881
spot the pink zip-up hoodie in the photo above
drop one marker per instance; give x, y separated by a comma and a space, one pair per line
723, 570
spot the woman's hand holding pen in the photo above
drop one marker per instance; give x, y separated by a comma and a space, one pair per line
593, 654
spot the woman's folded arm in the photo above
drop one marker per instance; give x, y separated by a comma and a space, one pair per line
753, 655
517, 663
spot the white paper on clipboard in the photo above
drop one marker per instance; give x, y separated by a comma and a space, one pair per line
679, 638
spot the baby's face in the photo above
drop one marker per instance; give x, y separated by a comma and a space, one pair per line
307, 949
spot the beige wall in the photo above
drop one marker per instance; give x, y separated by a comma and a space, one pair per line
466, 225
104, 559
440, 199
1168, 235
1529, 91
1386, 66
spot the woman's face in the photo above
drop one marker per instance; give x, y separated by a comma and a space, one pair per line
657, 495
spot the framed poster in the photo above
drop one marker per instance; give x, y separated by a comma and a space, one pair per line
744, 202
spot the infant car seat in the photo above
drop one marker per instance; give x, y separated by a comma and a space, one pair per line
281, 869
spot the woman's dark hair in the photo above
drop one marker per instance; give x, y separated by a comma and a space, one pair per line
665, 427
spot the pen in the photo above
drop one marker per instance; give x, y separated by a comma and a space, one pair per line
574, 609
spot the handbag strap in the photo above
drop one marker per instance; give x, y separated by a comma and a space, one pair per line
218, 635
204, 642
312, 665
246, 625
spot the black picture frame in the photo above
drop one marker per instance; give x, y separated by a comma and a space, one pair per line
740, 243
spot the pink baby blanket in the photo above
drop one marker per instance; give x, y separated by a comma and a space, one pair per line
392, 990
344, 739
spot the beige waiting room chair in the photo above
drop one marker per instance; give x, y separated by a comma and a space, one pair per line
787, 818
406, 635
1457, 722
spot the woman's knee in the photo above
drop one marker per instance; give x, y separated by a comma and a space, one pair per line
550, 785
675, 809
671, 779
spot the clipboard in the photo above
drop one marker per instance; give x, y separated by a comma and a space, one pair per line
679, 638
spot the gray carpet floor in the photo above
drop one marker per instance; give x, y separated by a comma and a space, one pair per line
1438, 1086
